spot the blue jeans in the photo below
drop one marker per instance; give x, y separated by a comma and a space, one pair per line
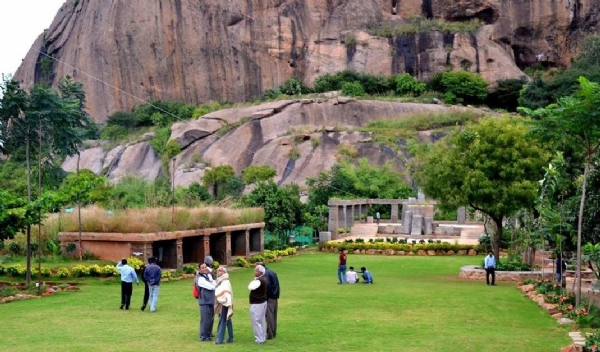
342, 274
224, 323
154, 289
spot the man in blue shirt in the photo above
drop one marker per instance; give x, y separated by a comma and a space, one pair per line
366, 274
127, 276
489, 264
152, 275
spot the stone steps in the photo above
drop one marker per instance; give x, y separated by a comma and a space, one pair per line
364, 230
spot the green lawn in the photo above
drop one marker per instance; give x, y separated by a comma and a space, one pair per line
416, 304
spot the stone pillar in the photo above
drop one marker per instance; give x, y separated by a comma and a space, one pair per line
206, 245
147, 250
247, 244
428, 226
394, 218
461, 215
407, 222
179, 252
262, 240
349, 215
333, 219
227, 248
324, 236
417, 225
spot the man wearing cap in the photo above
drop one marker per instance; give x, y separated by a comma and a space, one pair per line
272, 301
258, 304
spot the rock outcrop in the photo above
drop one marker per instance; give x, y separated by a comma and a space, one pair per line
127, 51
298, 138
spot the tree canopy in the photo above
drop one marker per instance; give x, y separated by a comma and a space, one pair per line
491, 166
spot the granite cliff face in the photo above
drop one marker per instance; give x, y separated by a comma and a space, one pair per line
126, 51
298, 138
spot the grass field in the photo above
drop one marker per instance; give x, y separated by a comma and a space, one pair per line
416, 304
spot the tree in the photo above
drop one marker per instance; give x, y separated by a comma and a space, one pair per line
217, 177
491, 166
283, 210
574, 120
256, 173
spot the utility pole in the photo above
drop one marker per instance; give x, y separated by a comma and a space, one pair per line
39, 284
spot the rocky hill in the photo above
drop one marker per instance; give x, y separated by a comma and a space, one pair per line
298, 138
127, 51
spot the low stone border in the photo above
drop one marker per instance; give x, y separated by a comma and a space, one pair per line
552, 309
50, 289
474, 272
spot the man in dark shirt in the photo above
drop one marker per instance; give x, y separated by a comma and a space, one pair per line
342, 267
152, 276
272, 301
258, 304
561, 267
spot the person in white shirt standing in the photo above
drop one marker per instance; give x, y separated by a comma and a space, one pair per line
351, 276
128, 275
489, 264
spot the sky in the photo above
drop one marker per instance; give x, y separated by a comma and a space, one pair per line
21, 22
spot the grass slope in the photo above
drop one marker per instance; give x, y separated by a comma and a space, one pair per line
416, 304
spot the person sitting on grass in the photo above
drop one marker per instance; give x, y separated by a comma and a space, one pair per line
351, 276
366, 274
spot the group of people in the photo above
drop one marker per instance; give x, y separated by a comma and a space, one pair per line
151, 274
216, 297
489, 264
351, 277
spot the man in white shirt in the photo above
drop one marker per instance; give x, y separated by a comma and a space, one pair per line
351, 276
489, 264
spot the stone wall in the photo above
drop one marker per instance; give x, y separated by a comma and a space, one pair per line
473, 272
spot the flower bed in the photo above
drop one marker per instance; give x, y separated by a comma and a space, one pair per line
561, 305
382, 247
266, 256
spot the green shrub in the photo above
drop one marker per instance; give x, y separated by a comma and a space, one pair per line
172, 149
257, 258
166, 274
16, 270
14, 248
109, 270
467, 87
241, 262
353, 89
408, 85
135, 263
2, 270
62, 272
269, 254
45, 272
95, 270
1, 245
71, 247
80, 271
87, 255
506, 96
189, 269
592, 341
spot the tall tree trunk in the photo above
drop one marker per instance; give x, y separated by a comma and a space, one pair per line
497, 238
79, 212
579, 226
28, 250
